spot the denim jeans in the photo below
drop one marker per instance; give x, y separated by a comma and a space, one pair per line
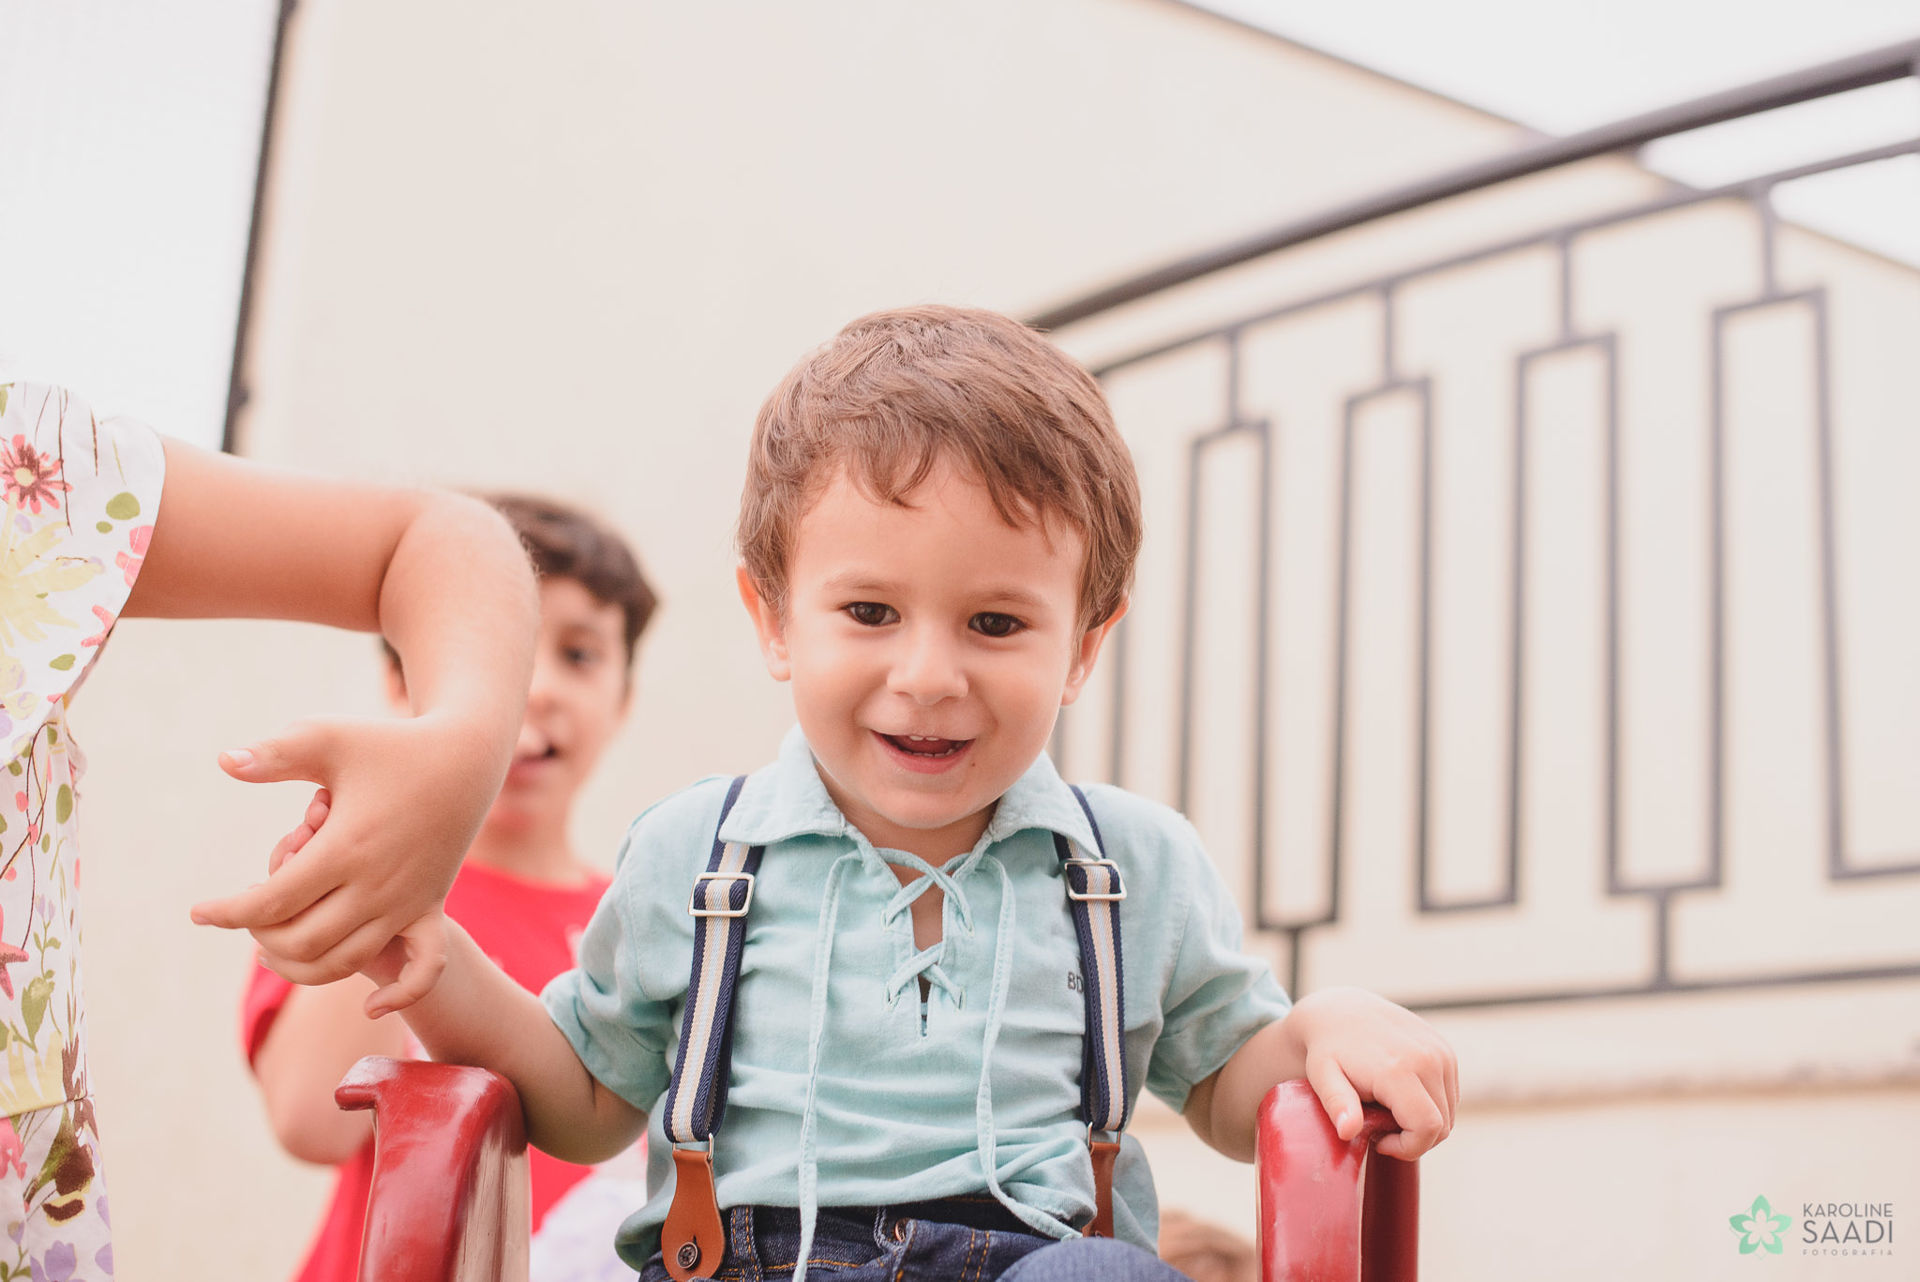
954, 1240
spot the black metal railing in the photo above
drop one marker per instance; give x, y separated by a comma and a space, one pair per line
1398, 379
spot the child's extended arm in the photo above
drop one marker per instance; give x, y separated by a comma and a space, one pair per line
478, 1015
1350, 1045
446, 581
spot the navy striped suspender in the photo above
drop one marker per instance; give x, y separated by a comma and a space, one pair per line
692, 1240
1094, 893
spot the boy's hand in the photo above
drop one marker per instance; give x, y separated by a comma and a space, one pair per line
402, 802
1356, 1046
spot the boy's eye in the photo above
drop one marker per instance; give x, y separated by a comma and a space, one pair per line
996, 625
870, 614
580, 656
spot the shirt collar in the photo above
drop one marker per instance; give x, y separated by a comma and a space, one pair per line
787, 799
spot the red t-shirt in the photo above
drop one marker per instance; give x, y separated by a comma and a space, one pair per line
531, 929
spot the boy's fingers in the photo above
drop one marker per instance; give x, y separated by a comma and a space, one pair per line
426, 953
1336, 1095
1421, 1117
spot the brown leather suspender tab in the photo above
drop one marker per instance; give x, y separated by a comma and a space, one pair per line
693, 1241
1104, 1152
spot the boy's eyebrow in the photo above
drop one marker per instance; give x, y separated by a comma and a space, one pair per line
1003, 594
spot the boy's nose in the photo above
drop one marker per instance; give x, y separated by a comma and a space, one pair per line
546, 673
926, 669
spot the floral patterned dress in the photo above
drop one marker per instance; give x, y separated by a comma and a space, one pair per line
80, 500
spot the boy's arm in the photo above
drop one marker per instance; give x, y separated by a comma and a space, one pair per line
444, 578
1349, 1045
476, 1014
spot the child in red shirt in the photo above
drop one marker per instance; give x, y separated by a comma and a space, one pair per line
522, 893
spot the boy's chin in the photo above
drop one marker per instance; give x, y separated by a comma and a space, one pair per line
512, 817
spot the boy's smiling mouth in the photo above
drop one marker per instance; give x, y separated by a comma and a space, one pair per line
923, 752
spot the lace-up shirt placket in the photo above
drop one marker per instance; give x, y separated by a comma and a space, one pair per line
848, 1087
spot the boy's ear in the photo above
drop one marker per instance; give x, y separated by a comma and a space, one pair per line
1087, 651
766, 622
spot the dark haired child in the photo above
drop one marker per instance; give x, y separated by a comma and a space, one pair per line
522, 892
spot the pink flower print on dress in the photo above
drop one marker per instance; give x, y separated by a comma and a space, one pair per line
31, 478
105, 616
13, 1154
137, 540
8, 956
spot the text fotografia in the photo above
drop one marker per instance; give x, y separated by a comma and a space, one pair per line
1846, 1228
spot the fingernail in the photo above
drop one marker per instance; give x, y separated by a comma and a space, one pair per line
240, 757
198, 918
1340, 1124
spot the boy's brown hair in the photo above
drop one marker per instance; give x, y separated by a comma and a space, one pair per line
897, 392
564, 542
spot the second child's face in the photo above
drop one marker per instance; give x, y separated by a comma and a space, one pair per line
576, 701
930, 649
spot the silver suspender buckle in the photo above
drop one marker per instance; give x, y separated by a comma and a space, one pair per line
1113, 896
696, 909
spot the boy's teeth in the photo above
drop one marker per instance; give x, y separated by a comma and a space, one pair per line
927, 745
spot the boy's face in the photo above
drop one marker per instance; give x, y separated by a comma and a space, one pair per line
575, 704
930, 649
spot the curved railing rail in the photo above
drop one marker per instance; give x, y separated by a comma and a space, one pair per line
1894, 62
1238, 425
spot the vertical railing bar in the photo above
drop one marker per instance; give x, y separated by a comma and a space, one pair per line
1565, 243
1231, 338
1189, 629
1612, 572
1662, 940
1716, 601
1116, 742
1769, 241
1263, 637
1389, 355
1516, 639
1342, 605
1423, 746
1829, 586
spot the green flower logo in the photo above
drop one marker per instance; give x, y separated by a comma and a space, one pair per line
1759, 1228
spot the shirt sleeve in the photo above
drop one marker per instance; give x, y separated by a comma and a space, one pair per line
619, 1007
81, 496
266, 995
1217, 995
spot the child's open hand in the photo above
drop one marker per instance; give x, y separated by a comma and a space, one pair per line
378, 846
1359, 1046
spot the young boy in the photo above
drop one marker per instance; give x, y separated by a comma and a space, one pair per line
522, 893
938, 529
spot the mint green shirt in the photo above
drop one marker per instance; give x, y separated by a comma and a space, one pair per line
907, 1106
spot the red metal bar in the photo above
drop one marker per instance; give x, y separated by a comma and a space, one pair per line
449, 1197
1331, 1210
